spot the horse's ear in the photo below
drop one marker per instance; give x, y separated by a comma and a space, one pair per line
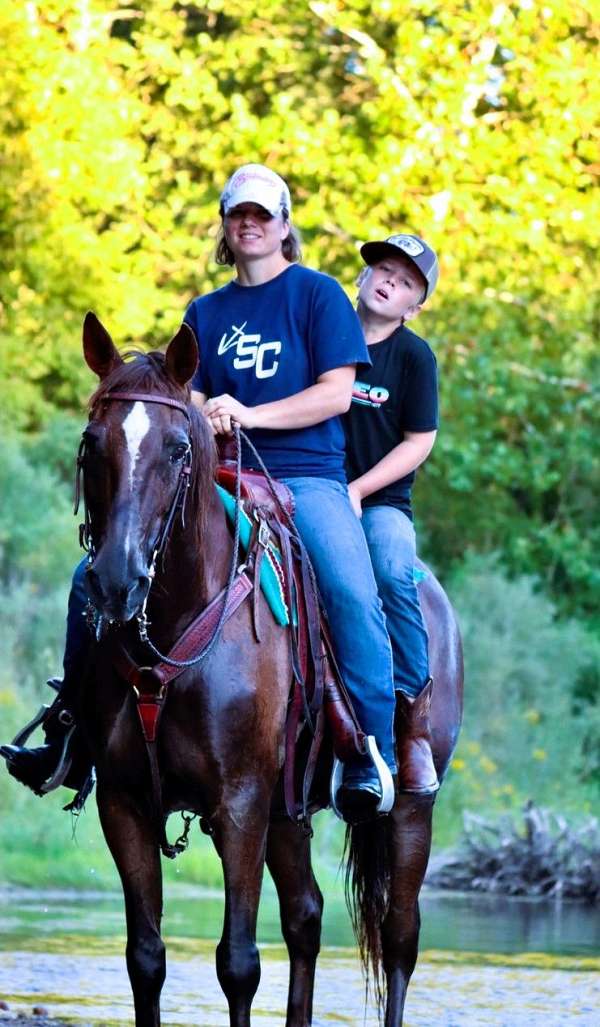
98, 348
181, 359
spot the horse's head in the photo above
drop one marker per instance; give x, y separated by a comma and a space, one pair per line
136, 459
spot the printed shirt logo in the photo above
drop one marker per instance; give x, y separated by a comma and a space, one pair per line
251, 352
369, 395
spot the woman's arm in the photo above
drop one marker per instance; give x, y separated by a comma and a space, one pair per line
330, 395
198, 399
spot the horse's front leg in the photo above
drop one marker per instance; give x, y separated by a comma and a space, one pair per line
409, 854
239, 833
135, 850
301, 907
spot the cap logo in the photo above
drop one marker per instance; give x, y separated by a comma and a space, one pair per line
252, 176
255, 183
411, 246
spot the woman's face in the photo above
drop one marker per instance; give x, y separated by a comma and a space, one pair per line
252, 233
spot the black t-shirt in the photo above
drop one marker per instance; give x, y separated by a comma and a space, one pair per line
397, 394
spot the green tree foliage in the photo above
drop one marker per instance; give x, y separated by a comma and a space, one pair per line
472, 124
531, 726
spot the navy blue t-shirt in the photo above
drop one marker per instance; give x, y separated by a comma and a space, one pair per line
265, 342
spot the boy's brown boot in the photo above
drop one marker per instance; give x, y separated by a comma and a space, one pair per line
416, 771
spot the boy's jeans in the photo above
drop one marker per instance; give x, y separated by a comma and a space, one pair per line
391, 539
336, 545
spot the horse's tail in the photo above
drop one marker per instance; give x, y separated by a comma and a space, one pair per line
367, 887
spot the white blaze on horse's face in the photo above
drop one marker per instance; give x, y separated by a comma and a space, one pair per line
135, 427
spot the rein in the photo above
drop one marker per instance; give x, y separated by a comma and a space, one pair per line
234, 570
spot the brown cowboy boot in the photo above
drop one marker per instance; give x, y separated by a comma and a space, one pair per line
416, 771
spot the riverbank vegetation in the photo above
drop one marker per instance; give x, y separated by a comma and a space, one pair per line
119, 126
539, 855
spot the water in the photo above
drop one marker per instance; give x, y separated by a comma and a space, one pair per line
485, 960
451, 921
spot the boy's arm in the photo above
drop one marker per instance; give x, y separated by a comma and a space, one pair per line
400, 461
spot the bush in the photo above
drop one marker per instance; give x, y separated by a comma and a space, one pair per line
38, 534
542, 857
531, 724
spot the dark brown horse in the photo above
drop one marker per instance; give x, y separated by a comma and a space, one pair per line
219, 748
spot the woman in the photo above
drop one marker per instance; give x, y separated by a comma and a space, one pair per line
278, 350
279, 345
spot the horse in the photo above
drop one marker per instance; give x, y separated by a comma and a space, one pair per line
161, 551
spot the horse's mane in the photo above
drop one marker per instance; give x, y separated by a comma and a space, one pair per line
146, 372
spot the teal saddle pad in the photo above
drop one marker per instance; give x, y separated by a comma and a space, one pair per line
270, 581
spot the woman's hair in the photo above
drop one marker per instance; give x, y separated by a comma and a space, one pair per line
291, 247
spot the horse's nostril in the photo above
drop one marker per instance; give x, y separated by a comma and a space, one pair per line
134, 588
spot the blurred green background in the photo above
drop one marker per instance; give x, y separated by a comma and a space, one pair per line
470, 124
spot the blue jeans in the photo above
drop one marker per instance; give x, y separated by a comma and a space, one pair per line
336, 545
391, 539
77, 642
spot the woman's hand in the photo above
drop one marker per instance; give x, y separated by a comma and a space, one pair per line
355, 498
222, 411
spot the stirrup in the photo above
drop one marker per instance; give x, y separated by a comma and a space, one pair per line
29, 728
25, 732
64, 763
65, 760
386, 781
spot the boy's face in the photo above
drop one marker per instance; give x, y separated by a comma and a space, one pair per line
393, 288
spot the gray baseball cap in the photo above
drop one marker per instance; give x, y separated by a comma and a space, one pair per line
417, 251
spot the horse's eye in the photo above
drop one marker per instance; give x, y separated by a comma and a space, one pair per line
178, 453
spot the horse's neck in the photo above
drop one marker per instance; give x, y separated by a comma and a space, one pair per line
193, 574
217, 548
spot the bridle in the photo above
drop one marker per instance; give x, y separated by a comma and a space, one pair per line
177, 505
86, 540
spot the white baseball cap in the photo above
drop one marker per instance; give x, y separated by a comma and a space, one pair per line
254, 183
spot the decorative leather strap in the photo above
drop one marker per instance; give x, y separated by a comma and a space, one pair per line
149, 707
149, 681
146, 397
201, 630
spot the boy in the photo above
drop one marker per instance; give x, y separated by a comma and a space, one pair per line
390, 430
